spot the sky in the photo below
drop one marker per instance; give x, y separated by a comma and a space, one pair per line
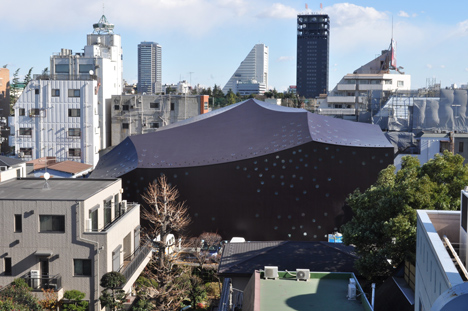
204, 41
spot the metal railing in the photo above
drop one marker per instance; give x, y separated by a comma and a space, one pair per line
135, 260
43, 281
130, 206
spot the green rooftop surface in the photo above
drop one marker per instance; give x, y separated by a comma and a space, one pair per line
320, 292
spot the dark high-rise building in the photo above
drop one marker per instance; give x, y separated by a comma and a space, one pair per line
149, 68
313, 45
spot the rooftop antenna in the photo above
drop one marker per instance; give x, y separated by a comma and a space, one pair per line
321, 8
46, 178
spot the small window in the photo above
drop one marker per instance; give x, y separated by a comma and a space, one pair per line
74, 152
125, 107
74, 112
52, 223
75, 132
125, 126
26, 151
107, 212
25, 131
93, 215
82, 267
73, 93
35, 112
7, 265
62, 68
172, 106
155, 125
21, 112
55, 92
85, 68
116, 107
444, 145
460, 146
154, 105
36, 91
401, 83
205, 105
18, 223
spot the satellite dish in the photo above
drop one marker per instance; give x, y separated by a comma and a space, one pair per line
91, 72
46, 176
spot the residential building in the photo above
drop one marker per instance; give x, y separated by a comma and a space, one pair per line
65, 114
149, 68
141, 114
4, 107
273, 157
65, 234
313, 49
65, 169
251, 77
11, 168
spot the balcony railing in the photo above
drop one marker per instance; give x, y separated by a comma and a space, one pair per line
122, 213
133, 262
43, 282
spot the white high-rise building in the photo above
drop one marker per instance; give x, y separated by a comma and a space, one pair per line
149, 68
64, 114
252, 75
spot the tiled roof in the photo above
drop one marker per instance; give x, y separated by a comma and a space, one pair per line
71, 167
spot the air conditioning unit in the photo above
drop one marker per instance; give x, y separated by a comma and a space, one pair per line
89, 225
351, 291
302, 274
35, 279
124, 206
271, 272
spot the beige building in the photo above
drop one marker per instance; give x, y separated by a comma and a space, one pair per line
65, 234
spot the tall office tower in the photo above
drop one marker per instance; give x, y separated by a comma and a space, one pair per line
64, 114
313, 45
252, 75
149, 68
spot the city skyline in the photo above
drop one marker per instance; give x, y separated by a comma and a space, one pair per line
204, 39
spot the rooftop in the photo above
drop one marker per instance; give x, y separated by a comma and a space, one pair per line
63, 189
323, 291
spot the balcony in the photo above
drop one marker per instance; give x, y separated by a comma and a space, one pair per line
39, 283
135, 263
346, 87
124, 210
341, 99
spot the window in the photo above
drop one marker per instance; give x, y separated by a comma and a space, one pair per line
205, 105
74, 132
55, 92
82, 267
155, 125
116, 206
26, 151
116, 107
74, 112
85, 68
36, 91
21, 112
73, 93
464, 211
116, 258
93, 215
107, 211
136, 237
62, 68
18, 223
460, 146
34, 112
444, 145
126, 107
172, 106
74, 152
125, 126
154, 105
400, 83
7, 265
26, 131
52, 223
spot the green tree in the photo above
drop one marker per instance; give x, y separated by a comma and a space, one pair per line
74, 301
383, 227
113, 296
14, 88
217, 92
231, 97
28, 77
19, 293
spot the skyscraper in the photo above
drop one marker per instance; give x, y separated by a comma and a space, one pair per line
251, 77
149, 67
313, 45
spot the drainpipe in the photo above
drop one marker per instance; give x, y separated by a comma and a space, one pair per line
79, 229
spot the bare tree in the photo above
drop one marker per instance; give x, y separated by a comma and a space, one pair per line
164, 214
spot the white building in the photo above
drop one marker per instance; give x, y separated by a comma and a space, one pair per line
252, 70
65, 114
65, 234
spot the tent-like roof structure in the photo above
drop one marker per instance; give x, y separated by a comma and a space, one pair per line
241, 131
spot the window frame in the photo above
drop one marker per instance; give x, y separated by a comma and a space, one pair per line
18, 224
21, 112
26, 151
55, 92
125, 126
7, 266
86, 270
74, 152
154, 105
72, 131
59, 219
25, 131
74, 93
73, 111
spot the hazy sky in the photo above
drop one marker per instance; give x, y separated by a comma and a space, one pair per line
211, 37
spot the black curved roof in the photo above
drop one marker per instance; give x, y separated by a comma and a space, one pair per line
244, 130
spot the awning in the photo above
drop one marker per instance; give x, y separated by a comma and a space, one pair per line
44, 253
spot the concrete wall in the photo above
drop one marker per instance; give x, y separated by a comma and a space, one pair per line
435, 271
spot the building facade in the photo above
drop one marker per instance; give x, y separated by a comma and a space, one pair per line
313, 49
252, 73
141, 114
64, 114
65, 234
4, 106
149, 68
